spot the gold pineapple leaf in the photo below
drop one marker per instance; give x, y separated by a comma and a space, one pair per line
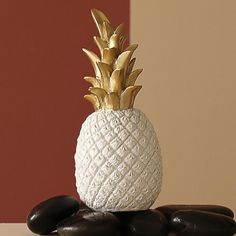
122, 40
114, 41
105, 71
131, 48
107, 31
94, 100
95, 82
123, 59
119, 29
112, 101
134, 94
128, 96
101, 44
109, 55
99, 17
131, 66
100, 94
116, 79
113, 85
94, 60
133, 77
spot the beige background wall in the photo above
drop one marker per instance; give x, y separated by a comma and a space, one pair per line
188, 51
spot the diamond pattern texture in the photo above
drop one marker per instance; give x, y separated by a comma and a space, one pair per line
118, 163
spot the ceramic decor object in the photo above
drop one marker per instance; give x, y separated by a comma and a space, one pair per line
118, 161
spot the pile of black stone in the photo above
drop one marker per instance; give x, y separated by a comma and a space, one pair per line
65, 216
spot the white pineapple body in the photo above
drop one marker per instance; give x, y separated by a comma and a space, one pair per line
118, 161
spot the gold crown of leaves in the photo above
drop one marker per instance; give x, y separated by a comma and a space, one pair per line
113, 87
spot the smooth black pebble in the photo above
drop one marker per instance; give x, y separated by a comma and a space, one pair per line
45, 216
168, 210
143, 223
202, 223
89, 224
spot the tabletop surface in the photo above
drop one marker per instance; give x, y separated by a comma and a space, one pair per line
16, 229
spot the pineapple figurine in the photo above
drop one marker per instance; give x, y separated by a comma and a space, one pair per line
117, 160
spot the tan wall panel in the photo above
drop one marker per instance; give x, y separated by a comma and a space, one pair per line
188, 52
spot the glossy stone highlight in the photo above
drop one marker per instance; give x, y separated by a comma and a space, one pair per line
87, 223
45, 216
202, 223
168, 210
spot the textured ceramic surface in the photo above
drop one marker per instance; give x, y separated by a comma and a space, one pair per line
118, 161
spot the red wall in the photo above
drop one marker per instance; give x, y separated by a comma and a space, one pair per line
41, 95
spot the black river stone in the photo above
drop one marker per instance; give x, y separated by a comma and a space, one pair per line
168, 210
84, 208
90, 223
202, 223
143, 223
44, 217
